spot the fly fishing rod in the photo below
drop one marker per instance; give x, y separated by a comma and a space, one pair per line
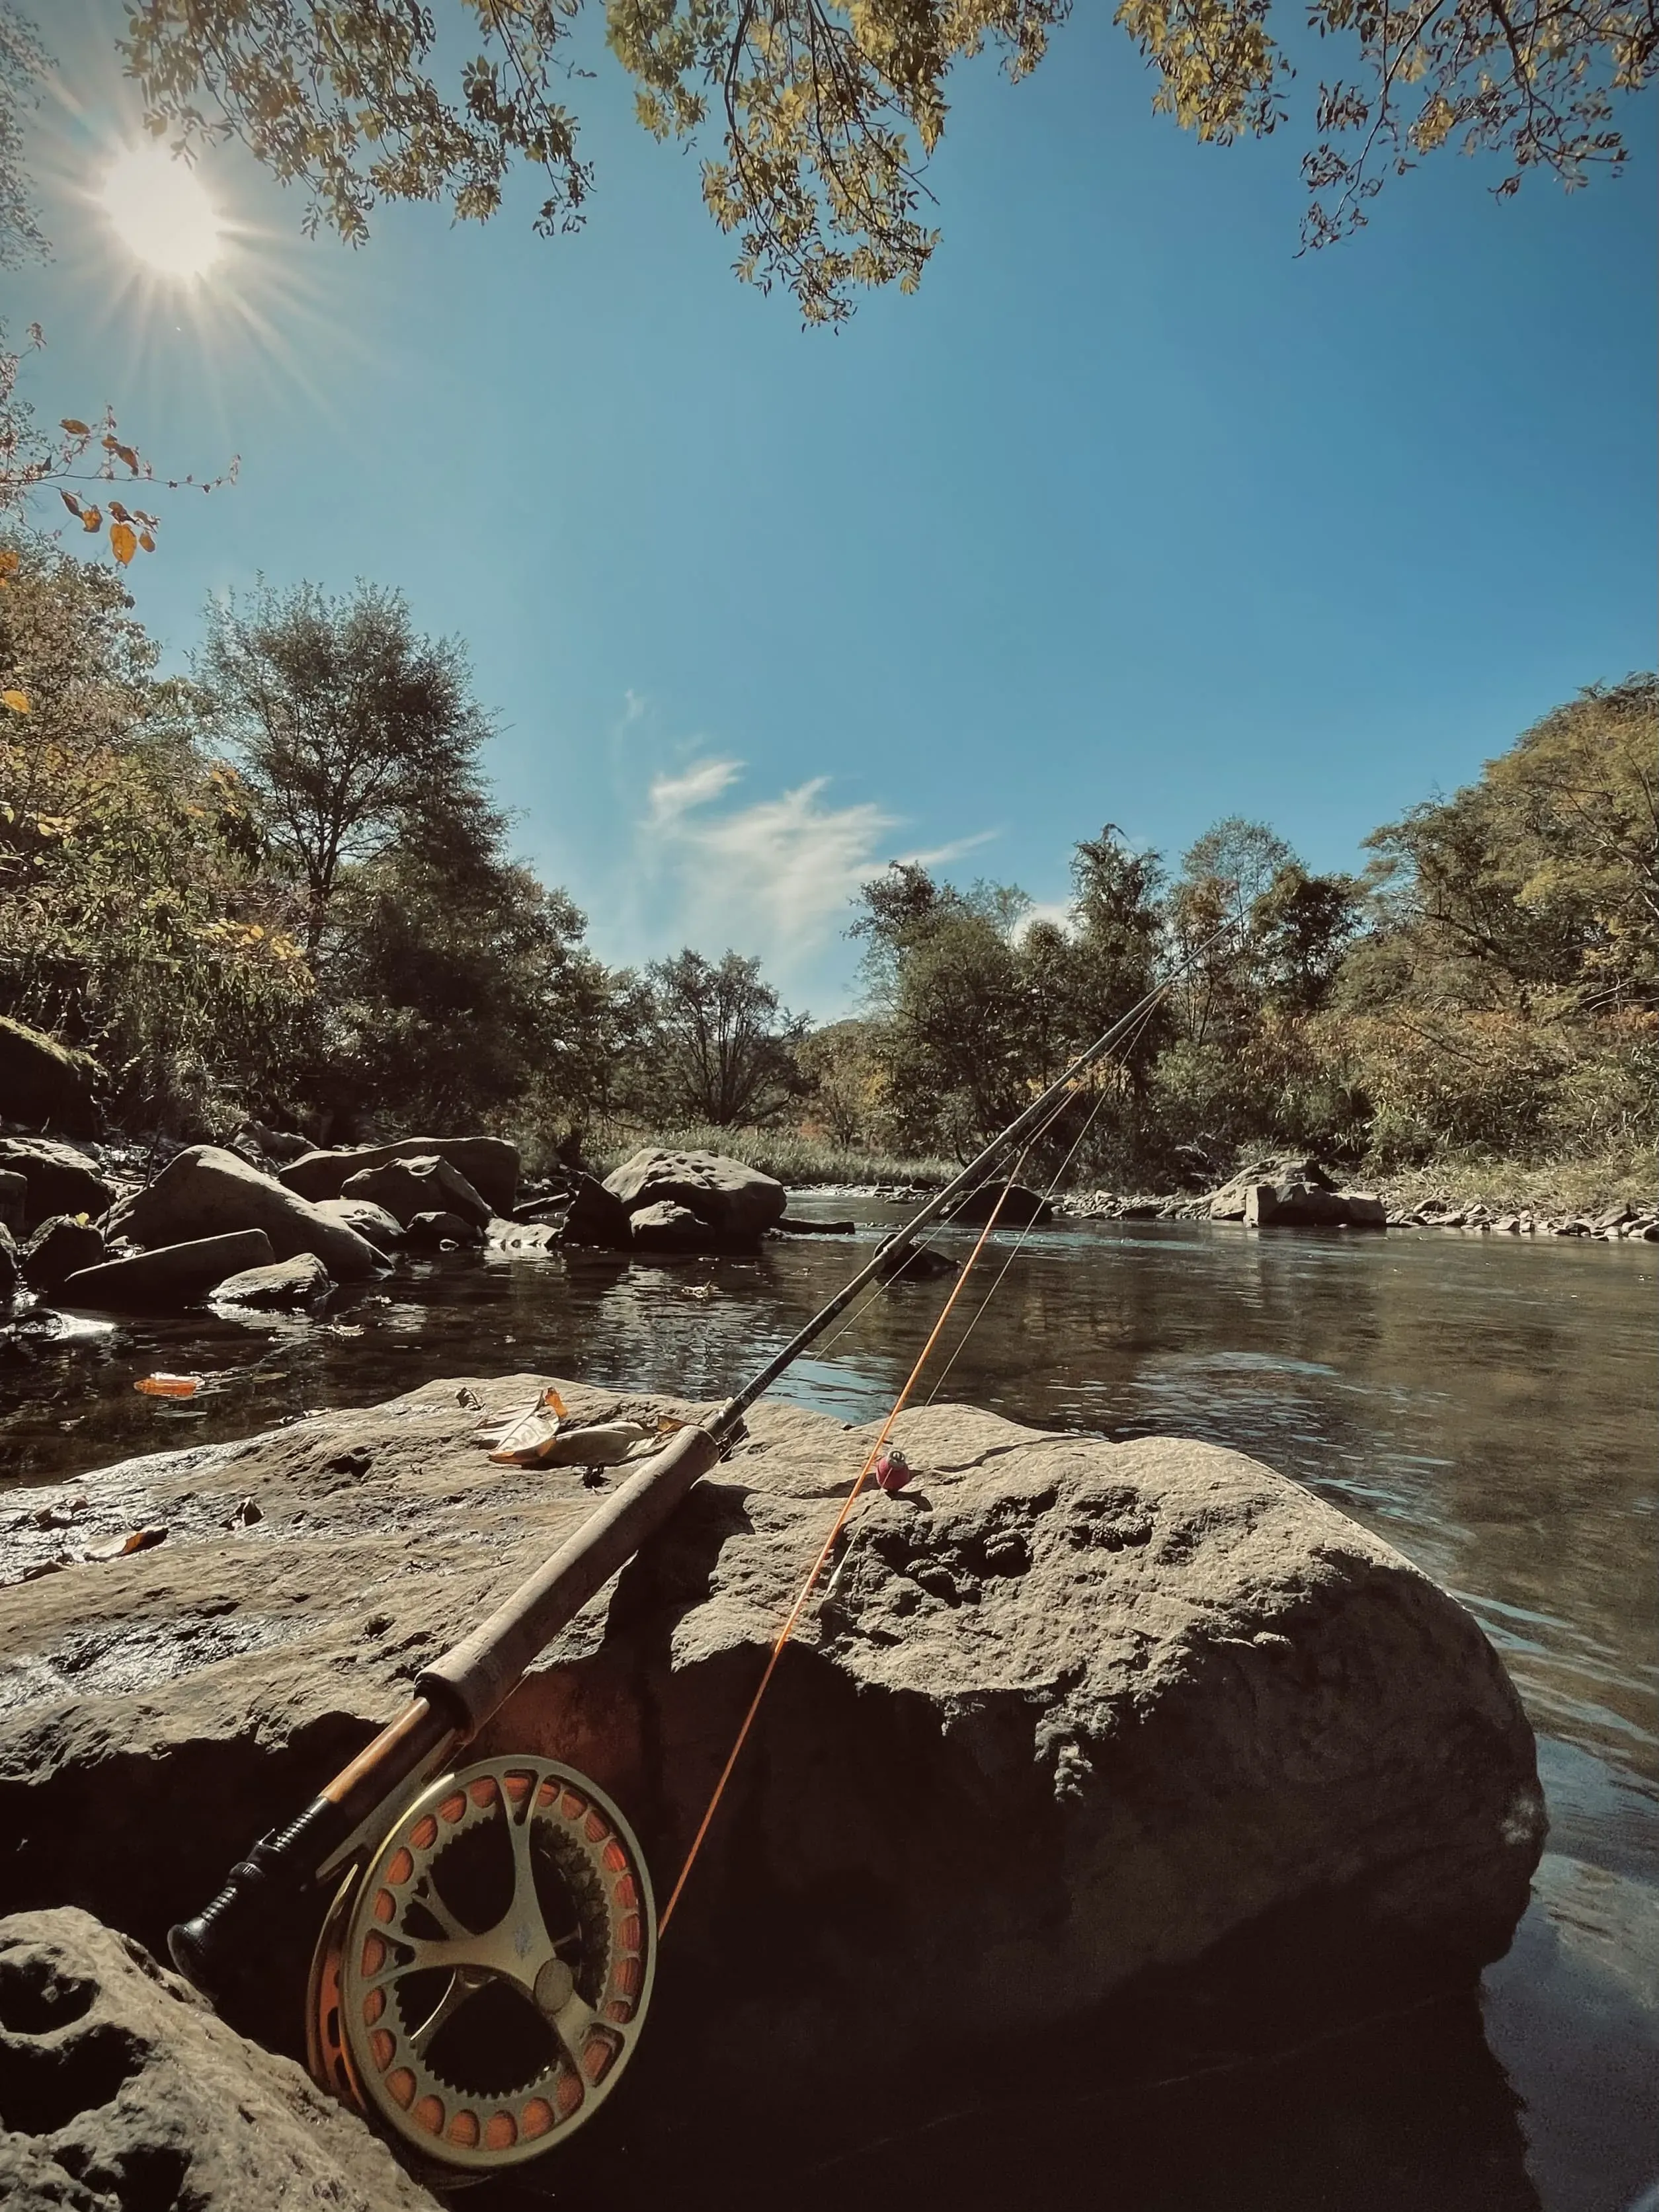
475, 2035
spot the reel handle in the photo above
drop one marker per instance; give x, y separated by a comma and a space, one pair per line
278, 1867
287, 1861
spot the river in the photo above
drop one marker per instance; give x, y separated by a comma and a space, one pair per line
1486, 1404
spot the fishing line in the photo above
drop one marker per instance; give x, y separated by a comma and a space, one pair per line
1020, 1242
828, 1545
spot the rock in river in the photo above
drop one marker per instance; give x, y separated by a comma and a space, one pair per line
425, 1184
171, 1277
206, 1190
736, 1204
490, 1165
119, 2089
372, 1223
1067, 1715
285, 1286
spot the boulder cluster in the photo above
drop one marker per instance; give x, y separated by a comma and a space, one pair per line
268, 1223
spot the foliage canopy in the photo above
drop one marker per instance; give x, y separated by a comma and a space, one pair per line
823, 112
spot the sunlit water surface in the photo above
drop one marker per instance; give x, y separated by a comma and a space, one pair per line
1486, 1404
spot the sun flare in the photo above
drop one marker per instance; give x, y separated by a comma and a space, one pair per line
161, 212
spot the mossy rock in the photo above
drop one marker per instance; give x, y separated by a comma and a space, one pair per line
44, 1084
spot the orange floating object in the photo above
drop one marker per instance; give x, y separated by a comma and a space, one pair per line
169, 1386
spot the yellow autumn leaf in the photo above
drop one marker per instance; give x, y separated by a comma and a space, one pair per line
76, 429
92, 518
146, 541
17, 700
123, 542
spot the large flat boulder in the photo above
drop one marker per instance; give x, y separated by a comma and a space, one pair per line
490, 1165
121, 2090
46, 1084
61, 1178
737, 1204
206, 1191
1067, 1714
168, 1278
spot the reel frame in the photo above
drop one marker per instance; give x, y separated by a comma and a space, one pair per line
375, 2008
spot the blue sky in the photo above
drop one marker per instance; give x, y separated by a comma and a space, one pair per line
1131, 514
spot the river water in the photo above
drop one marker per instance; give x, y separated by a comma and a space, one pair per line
1488, 1405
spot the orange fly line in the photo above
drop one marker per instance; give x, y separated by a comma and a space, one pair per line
829, 1545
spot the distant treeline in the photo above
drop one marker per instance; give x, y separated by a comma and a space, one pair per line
281, 887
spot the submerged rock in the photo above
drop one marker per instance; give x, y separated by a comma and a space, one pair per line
438, 1228
283, 1287
122, 2090
171, 1276
490, 1165
1066, 1714
736, 1204
206, 1190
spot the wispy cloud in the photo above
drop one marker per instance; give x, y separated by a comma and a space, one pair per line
773, 876
673, 797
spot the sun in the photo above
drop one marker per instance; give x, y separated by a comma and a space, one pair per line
161, 212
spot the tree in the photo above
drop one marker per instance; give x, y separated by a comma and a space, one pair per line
353, 733
718, 1046
135, 915
1537, 887
459, 997
823, 114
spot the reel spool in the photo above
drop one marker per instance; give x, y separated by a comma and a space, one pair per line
477, 1990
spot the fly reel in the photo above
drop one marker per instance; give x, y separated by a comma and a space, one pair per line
479, 1986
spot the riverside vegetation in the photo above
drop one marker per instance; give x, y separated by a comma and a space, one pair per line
280, 888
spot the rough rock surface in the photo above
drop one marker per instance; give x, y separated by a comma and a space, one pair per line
58, 1249
46, 1084
435, 1229
1021, 1208
490, 1165
1292, 1193
593, 1214
1068, 1712
737, 1204
10, 1264
120, 2092
284, 1285
372, 1223
425, 1184
171, 1276
61, 1179
665, 1227
207, 1190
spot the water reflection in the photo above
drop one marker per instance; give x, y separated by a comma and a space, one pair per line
1486, 1405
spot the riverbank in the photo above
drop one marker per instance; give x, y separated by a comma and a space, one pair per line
1557, 1192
